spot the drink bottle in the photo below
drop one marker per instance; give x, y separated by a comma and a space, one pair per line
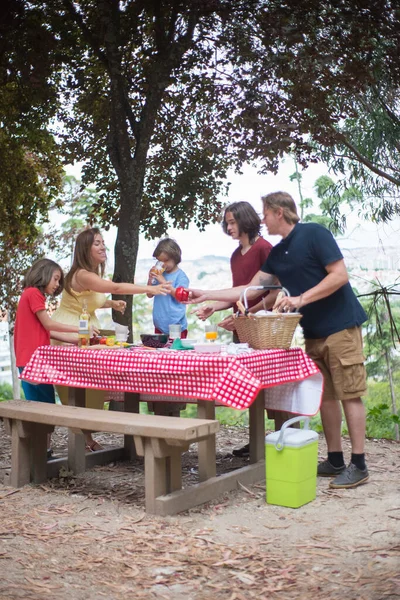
84, 326
159, 269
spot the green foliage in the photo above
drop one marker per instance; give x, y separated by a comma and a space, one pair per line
31, 173
381, 421
337, 65
6, 392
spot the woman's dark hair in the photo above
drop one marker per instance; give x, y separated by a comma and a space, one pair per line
169, 247
246, 217
83, 257
40, 274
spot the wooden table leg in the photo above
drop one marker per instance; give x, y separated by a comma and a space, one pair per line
257, 429
207, 448
76, 441
131, 404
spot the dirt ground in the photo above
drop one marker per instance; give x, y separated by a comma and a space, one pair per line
88, 537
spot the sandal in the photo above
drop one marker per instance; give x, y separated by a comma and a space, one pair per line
93, 447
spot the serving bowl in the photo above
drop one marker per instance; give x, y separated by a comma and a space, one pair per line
187, 343
154, 340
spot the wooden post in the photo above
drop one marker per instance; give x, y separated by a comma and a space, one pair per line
257, 429
207, 448
20, 454
155, 475
76, 441
131, 404
39, 451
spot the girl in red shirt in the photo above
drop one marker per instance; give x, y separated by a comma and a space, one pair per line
33, 326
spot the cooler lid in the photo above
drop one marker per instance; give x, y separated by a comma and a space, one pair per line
292, 437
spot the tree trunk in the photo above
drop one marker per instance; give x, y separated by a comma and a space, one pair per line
392, 393
126, 248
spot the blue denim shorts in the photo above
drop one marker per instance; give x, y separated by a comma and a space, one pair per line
43, 392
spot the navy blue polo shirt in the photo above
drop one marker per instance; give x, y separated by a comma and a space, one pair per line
299, 262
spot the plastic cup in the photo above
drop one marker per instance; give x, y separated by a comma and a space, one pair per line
121, 332
174, 332
211, 332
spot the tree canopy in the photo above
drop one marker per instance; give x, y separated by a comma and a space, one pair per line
160, 98
31, 174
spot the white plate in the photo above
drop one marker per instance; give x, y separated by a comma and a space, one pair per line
211, 347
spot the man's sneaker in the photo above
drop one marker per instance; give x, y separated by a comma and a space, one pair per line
351, 477
326, 469
244, 451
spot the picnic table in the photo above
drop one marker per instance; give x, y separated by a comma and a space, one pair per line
292, 380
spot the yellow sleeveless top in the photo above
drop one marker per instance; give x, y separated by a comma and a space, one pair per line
68, 312
71, 307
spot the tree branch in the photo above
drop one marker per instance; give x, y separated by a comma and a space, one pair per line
362, 159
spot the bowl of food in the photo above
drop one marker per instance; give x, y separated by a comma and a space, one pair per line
154, 340
187, 343
106, 332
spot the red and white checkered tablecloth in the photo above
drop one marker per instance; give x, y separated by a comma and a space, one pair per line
233, 380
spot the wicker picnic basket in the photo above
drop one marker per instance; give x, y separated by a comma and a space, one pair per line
274, 330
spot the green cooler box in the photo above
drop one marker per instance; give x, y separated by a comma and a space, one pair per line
291, 457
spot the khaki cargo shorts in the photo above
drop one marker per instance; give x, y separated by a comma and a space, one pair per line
340, 359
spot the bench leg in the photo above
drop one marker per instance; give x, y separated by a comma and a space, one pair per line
20, 455
207, 448
162, 468
174, 471
155, 476
39, 452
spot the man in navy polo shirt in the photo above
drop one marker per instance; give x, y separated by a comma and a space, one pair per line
308, 262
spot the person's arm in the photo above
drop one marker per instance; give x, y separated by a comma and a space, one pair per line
232, 295
118, 305
51, 325
69, 338
336, 278
209, 309
91, 281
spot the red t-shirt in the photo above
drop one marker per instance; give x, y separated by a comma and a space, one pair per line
245, 266
29, 333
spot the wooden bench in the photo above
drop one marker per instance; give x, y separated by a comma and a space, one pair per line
161, 440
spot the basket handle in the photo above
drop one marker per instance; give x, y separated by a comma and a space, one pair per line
243, 295
280, 443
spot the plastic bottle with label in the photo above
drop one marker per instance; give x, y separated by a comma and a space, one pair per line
84, 326
159, 269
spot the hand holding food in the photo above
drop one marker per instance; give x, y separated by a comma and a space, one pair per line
162, 289
181, 294
285, 303
228, 323
203, 312
119, 305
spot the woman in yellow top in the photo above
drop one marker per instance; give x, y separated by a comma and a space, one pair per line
85, 281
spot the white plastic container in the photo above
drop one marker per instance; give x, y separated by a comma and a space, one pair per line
207, 347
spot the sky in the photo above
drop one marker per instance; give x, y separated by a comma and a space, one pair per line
250, 186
